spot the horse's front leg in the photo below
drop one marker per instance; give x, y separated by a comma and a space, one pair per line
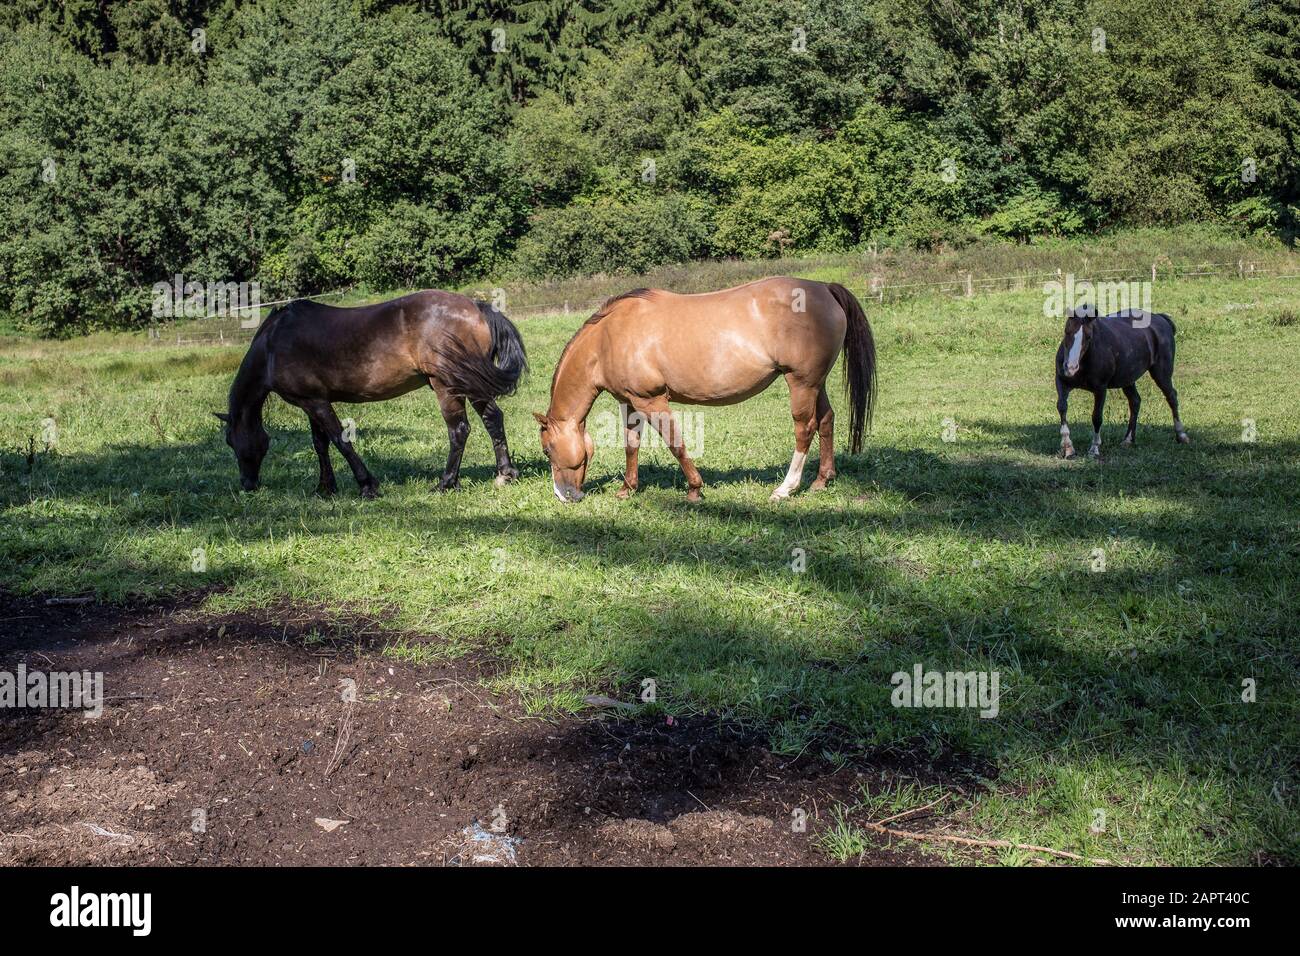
1134, 403
1063, 406
1098, 406
323, 417
633, 423
670, 430
495, 424
453, 413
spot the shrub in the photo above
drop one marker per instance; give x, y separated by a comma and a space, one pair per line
1031, 212
623, 238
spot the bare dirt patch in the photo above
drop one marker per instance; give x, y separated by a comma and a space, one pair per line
238, 741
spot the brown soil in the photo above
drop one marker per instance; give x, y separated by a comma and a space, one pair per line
230, 741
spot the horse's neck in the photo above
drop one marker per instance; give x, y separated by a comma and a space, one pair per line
248, 392
576, 380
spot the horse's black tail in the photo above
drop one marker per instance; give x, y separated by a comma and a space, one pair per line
479, 377
507, 347
859, 365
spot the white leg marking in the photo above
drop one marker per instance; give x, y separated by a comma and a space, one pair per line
792, 477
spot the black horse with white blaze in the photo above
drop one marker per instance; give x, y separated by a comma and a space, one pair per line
1114, 351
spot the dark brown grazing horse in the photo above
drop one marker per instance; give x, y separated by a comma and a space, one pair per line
312, 355
649, 347
1114, 352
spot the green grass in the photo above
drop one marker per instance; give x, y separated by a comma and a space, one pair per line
1120, 690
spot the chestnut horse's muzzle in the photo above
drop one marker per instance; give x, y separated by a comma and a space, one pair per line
566, 492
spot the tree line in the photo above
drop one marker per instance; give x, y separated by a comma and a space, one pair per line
313, 144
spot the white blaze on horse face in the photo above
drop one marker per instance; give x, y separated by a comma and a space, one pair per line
792, 477
1076, 348
556, 488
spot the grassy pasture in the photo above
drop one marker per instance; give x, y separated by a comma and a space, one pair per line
1121, 689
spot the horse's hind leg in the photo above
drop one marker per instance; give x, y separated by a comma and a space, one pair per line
825, 440
803, 408
670, 430
1134, 403
323, 417
495, 424
453, 413
1163, 375
327, 486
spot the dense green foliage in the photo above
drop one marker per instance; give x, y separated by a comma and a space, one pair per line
312, 144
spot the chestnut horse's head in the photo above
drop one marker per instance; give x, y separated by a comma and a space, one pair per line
249, 440
569, 448
1078, 336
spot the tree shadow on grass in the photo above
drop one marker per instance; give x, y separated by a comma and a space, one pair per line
1120, 667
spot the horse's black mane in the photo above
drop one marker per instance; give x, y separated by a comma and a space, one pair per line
275, 312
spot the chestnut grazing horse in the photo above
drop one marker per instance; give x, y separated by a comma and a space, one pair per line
312, 355
649, 347
1114, 352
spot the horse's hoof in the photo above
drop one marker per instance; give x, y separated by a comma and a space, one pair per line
327, 492
779, 495
1127, 443
444, 486
502, 480
1184, 438
625, 493
1067, 452
1094, 453
694, 495
370, 492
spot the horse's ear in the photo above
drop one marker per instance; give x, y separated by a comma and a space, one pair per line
222, 416
541, 419
1086, 312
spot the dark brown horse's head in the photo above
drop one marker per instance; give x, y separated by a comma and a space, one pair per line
1078, 337
569, 448
248, 439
